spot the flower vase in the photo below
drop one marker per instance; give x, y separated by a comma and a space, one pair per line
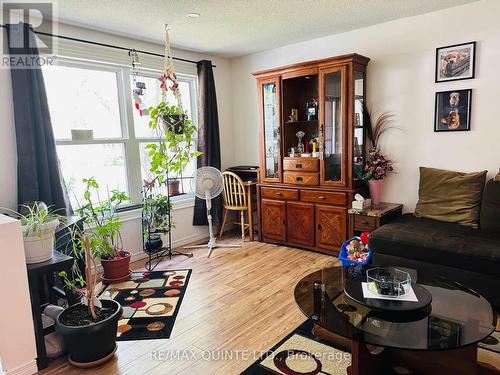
375, 190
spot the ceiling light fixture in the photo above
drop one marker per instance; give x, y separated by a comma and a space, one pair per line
193, 15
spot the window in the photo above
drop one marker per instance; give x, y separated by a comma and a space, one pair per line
97, 129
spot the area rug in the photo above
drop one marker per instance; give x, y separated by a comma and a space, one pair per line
492, 342
300, 353
150, 301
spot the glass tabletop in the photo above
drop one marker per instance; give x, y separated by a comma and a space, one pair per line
456, 317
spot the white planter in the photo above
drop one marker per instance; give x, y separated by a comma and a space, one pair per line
40, 248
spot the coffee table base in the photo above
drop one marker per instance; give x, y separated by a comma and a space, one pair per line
461, 361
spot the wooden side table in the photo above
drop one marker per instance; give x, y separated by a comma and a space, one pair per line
373, 217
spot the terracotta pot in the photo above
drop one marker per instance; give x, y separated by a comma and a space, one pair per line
115, 269
375, 190
173, 187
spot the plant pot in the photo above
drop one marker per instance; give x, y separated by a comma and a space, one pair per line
173, 187
375, 187
153, 243
175, 123
40, 248
89, 345
116, 269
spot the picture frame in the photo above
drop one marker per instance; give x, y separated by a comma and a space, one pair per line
453, 110
455, 62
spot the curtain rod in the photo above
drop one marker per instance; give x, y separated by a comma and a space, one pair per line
111, 46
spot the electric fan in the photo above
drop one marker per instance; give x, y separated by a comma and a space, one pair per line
208, 183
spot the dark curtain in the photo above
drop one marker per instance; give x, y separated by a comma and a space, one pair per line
38, 173
208, 139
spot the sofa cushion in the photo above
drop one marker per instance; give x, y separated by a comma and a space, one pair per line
453, 197
490, 208
439, 243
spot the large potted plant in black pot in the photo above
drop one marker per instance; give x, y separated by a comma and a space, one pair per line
89, 327
103, 226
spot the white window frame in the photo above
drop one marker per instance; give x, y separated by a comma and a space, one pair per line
128, 139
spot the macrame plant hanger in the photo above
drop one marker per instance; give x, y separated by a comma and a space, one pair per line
168, 80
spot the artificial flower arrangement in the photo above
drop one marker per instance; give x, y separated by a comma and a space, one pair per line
377, 166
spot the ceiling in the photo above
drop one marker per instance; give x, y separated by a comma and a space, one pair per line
232, 28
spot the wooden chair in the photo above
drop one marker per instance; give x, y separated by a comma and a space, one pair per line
234, 200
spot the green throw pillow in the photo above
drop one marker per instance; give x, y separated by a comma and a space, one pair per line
449, 196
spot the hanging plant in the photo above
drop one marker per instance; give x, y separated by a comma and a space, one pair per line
171, 155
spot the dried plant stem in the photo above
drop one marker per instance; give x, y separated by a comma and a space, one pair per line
90, 277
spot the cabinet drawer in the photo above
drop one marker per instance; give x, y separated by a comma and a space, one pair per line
301, 178
362, 222
301, 164
275, 193
332, 197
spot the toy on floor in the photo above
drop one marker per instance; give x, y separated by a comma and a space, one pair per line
357, 250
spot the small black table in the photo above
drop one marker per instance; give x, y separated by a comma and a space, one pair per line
36, 271
432, 340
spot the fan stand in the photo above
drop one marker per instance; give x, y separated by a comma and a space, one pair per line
212, 244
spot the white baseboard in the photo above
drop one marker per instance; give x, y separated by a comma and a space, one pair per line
140, 255
29, 368
177, 243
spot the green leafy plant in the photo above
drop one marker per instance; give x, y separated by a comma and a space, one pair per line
103, 225
156, 209
172, 153
37, 214
101, 238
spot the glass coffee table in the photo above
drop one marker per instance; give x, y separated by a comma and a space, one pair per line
440, 338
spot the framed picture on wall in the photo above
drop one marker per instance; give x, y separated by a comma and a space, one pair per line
455, 62
453, 110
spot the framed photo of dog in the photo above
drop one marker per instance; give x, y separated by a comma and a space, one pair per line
453, 110
456, 62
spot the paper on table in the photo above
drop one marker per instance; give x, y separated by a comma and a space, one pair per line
408, 297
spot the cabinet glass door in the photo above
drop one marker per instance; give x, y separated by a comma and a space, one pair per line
359, 132
333, 111
271, 131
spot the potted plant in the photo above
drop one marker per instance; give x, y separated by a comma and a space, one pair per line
377, 166
89, 327
172, 153
39, 224
103, 228
156, 211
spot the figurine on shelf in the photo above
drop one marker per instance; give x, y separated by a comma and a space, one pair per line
300, 145
315, 153
294, 117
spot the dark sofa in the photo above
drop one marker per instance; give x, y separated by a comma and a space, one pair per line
470, 257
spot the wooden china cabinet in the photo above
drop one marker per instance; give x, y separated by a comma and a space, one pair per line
306, 185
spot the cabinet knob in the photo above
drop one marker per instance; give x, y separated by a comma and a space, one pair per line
299, 179
278, 193
321, 197
319, 226
298, 166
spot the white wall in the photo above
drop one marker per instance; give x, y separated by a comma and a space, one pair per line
183, 213
400, 80
17, 346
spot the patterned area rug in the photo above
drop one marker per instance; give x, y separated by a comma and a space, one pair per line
150, 301
492, 342
300, 353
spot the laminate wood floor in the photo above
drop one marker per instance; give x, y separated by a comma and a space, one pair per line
238, 302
